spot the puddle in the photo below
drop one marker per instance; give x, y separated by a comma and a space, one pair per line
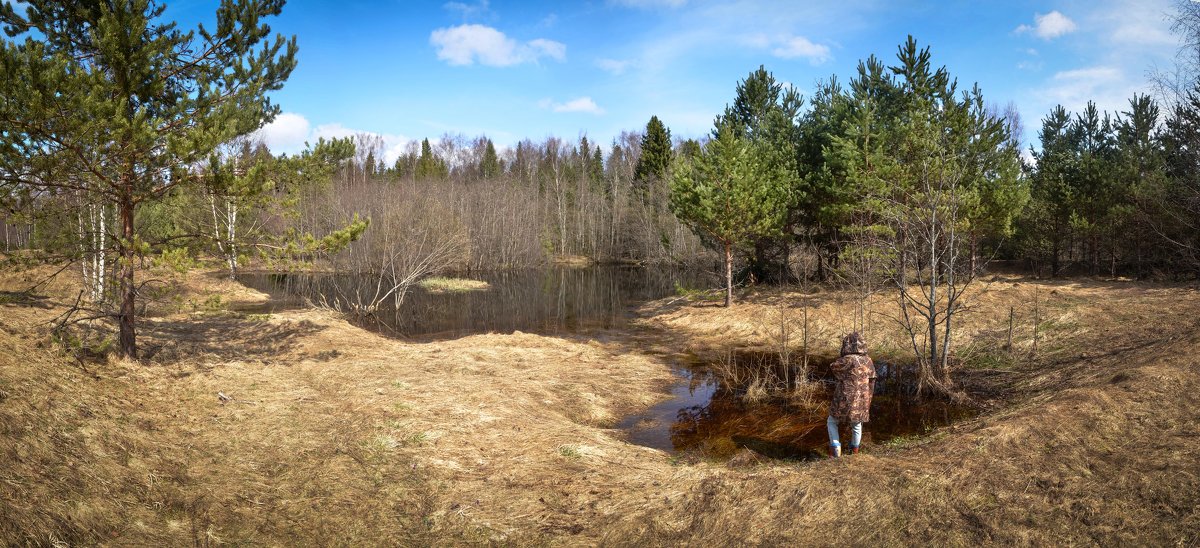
710, 420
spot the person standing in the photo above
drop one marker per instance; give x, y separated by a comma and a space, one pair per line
854, 373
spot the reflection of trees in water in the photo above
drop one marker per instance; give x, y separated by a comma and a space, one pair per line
728, 423
552, 299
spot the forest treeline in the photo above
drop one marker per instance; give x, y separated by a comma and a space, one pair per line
898, 177
1102, 193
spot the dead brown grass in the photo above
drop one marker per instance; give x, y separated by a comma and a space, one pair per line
330, 435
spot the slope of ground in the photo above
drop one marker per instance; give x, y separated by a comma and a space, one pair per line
298, 428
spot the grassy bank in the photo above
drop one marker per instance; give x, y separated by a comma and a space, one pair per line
328, 434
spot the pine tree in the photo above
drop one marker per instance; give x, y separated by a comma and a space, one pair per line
765, 114
920, 163
729, 194
1179, 201
122, 100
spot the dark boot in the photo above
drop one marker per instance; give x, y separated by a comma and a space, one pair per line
852, 450
835, 451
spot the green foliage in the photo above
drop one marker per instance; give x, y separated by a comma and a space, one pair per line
429, 164
110, 101
657, 154
489, 165
908, 133
177, 259
313, 168
765, 114
729, 191
1105, 190
569, 451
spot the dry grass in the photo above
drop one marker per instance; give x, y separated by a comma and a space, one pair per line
574, 261
452, 285
330, 435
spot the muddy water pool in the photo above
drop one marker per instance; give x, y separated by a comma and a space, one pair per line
708, 419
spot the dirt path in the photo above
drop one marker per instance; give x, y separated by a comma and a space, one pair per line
328, 434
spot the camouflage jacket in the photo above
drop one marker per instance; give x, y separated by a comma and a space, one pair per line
855, 374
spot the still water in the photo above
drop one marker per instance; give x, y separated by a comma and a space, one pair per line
546, 301
708, 419
703, 418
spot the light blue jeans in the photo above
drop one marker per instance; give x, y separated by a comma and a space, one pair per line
855, 433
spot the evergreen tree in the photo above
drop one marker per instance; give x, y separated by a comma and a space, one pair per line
923, 167
689, 149
728, 193
489, 165
655, 160
765, 114
596, 167
1045, 223
1178, 202
122, 99
429, 164
828, 202
1139, 177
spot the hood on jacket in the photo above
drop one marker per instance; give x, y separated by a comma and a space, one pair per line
854, 344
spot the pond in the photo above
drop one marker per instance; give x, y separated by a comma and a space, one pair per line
546, 301
703, 417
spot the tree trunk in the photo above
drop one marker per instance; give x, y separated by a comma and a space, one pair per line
933, 284
128, 337
728, 274
1054, 259
974, 253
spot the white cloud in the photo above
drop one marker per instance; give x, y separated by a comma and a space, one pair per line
1139, 22
613, 66
1050, 25
333, 131
799, 46
468, 44
581, 104
1027, 157
787, 46
1092, 74
1107, 86
549, 48
468, 10
286, 133
290, 131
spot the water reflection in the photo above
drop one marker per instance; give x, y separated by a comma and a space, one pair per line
709, 419
550, 301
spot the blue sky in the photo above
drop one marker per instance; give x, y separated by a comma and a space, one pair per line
512, 70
